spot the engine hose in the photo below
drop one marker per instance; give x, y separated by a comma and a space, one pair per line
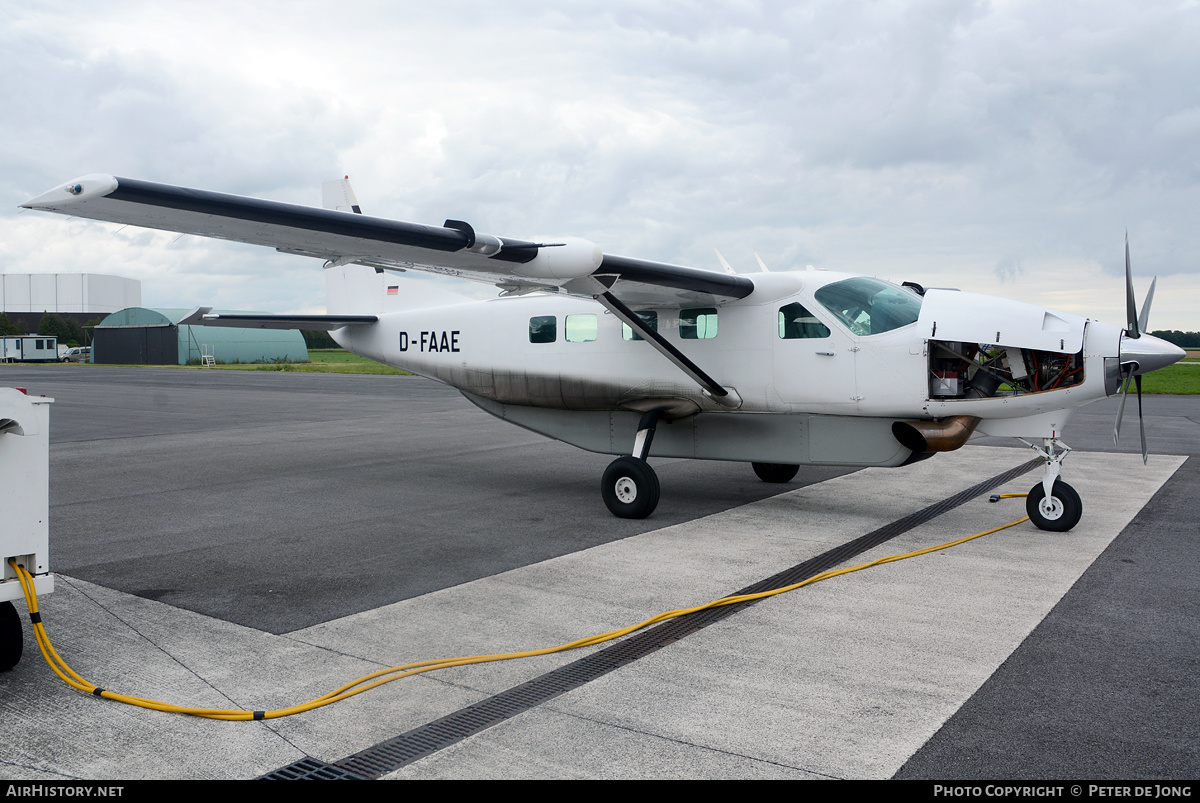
367, 682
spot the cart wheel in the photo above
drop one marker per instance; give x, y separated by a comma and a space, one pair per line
11, 640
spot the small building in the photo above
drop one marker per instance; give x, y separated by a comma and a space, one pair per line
29, 348
142, 336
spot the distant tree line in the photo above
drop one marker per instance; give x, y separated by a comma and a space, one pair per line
68, 332
318, 339
1185, 340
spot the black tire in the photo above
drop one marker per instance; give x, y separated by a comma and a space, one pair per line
11, 640
775, 472
1059, 513
630, 488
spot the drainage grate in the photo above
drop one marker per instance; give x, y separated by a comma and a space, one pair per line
437, 735
311, 769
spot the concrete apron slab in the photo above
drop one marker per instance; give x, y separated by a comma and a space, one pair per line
844, 679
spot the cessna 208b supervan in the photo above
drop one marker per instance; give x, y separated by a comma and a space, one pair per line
645, 359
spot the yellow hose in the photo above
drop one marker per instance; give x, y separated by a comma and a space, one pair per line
366, 682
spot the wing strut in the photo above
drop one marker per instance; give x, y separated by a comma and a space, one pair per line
718, 394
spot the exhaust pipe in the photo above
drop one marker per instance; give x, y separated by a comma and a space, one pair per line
935, 436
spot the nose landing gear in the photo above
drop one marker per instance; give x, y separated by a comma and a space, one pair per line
1053, 505
1058, 512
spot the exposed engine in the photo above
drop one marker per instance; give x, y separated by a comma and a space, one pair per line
974, 370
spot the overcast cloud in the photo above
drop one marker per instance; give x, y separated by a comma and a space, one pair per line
1002, 147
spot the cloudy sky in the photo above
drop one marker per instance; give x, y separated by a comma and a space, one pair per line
1003, 147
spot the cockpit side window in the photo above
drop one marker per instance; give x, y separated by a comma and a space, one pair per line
796, 322
869, 306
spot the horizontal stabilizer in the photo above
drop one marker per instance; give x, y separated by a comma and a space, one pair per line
204, 316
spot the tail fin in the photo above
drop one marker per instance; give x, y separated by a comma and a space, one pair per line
354, 290
338, 195
364, 290
360, 289
349, 288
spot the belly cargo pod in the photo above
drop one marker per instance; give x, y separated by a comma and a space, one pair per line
25, 500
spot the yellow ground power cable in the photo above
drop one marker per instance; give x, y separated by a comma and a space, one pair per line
367, 682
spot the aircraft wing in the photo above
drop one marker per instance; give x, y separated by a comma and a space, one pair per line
570, 265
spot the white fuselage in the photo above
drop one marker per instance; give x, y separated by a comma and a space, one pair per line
587, 360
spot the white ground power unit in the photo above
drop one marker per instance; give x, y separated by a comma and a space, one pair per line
25, 502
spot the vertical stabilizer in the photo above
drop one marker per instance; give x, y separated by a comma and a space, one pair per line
338, 194
352, 289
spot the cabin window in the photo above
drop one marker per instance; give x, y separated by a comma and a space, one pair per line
649, 317
543, 329
698, 324
795, 322
580, 328
869, 306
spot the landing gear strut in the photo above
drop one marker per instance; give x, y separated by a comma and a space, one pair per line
630, 487
1052, 504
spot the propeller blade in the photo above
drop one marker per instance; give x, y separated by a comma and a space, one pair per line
1142, 421
728, 268
1121, 410
1130, 306
1144, 320
761, 264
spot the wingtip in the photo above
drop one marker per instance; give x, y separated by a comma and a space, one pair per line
84, 188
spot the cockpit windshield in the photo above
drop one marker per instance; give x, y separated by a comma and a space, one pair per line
870, 306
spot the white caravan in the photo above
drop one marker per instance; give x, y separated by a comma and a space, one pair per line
644, 359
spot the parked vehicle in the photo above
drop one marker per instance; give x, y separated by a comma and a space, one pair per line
29, 348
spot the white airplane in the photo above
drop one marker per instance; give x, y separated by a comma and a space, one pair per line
645, 359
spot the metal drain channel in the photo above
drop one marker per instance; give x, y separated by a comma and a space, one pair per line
441, 733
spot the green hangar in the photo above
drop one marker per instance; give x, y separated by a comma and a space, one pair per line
141, 336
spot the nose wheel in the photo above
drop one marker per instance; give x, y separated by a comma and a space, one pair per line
1057, 512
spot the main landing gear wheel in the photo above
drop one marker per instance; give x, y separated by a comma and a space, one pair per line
11, 642
1057, 513
775, 472
630, 488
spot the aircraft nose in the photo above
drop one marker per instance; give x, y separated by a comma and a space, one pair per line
1149, 352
